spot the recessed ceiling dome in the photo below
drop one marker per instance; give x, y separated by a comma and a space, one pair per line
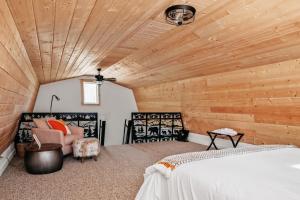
180, 14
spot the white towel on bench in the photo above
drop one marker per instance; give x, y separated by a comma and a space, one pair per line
226, 131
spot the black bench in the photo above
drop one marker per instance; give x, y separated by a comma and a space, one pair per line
214, 135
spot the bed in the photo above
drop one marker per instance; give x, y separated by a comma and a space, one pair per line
248, 173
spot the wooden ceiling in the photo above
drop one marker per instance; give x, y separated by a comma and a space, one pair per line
131, 40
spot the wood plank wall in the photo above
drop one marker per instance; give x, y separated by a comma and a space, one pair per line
18, 81
263, 102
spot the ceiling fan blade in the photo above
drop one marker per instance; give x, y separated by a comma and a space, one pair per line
110, 79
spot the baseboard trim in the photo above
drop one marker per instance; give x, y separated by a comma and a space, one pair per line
6, 157
205, 140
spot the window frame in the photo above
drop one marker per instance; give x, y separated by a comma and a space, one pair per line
82, 81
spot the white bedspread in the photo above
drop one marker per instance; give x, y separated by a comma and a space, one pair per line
268, 175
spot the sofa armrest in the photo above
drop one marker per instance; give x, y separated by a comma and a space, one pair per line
78, 131
49, 135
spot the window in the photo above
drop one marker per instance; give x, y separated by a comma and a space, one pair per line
90, 93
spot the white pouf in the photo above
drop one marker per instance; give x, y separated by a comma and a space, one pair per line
86, 147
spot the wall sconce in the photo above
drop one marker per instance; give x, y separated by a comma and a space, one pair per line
57, 99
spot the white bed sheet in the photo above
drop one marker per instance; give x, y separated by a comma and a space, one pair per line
268, 175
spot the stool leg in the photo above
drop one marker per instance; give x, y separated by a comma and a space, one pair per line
95, 158
82, 159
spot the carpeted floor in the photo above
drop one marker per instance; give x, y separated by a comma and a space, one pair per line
117, 174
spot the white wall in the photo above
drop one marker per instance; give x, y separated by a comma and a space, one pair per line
116, 104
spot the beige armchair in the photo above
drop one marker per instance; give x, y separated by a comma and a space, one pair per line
54, 136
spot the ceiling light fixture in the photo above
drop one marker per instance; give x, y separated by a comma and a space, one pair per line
180, 14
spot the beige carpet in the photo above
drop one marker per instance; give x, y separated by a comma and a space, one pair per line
117, 174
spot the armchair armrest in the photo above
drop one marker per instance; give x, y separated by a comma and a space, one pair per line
49, 135
78, 131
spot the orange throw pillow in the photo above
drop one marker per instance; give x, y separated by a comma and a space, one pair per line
58, 125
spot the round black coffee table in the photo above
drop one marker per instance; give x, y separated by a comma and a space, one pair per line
47, 159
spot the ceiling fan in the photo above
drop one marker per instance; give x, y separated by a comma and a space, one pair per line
99, 78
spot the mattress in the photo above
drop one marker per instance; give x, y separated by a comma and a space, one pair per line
255, 176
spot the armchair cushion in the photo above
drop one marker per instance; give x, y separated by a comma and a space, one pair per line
69, 139
41, 123
49, 135
78, 132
